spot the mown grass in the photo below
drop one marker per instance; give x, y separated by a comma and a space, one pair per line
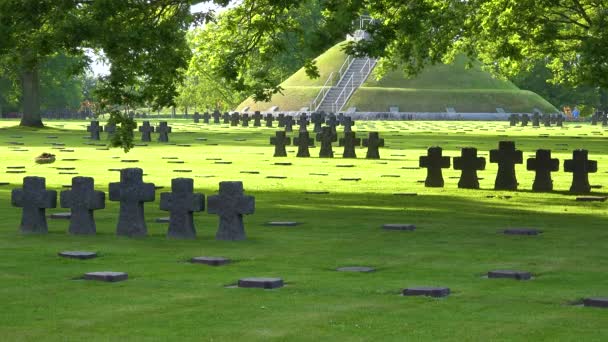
457, 242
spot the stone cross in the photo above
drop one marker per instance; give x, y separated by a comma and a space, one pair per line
226, 117
506, 156
110, 129
303, 141
525, 118
163, 131
234, 119
206, 118
145, 130
288, 122
82, 199
326, 137
181, 202
332, 122
434, 161
350, 141
230, 205
269, 119
281, 120
303, 122
257, 119
340, 118
580, 166
348, 123
317, 120
547, 120
34, 199
543, 164
245, 120
196, 117
604, 119
513, 119
469, 163
216, 116
559, 120
131, 192
536, 120
279, 141
94, 129
372, 143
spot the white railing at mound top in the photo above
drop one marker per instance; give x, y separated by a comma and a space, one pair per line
329, 84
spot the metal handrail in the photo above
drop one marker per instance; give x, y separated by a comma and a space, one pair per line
314, 105
349, 60
335, 108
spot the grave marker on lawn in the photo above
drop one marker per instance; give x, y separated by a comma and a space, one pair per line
559, 120
94, 129
145, 130
131, 192
469, 163
269, 119
34, 199
196, 117
317, 120
234, 119
536, 120
257, 119
82, 200
280, 140
303, 123
348, 124
110, 129
350, 142
547, 120
434, 161
525, 119
245, 120
326, 137
373, 142
216, 116
580, 166
206, 118
230, 205
506, 156
181, 202
513, 119
288, 122
163, 130
281, 120
303, 141
543, 164
226, 117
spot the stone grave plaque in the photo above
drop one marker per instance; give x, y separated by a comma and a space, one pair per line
264, 283
427, 291
83, 255
210, 260
510, 274
106, 276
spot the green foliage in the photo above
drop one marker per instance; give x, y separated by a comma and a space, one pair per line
124, 130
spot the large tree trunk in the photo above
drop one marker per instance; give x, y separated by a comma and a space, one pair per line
30, 86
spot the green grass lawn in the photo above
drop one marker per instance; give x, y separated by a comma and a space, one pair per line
456, 243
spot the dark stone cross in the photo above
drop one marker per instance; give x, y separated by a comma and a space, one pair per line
94, 129
332, 122
317, 120
340, 118
281, 120
303, 122
269, 119
348, 124
196, 117
434, 161
145, 130
132, 192
547, 120
288, 123
245, 120
513, 119
604, 119
506, 156
326, 137
82, 199
181, 202
226, 117
525, 119
580, 166
303, 141
372, 143
216, 116
469, 163
350, 141
231, 205
234, 119
536, 120
163, 131
206, 118
279, 141
34, 199
559, 120
543, 164
257, 119
110, 129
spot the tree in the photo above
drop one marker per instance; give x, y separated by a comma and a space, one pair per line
144, 40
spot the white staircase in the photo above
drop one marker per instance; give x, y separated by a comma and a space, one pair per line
341, 85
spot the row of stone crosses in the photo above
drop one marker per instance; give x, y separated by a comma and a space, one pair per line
327, 136
235, 119
82, 200
547, 119
506, 156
